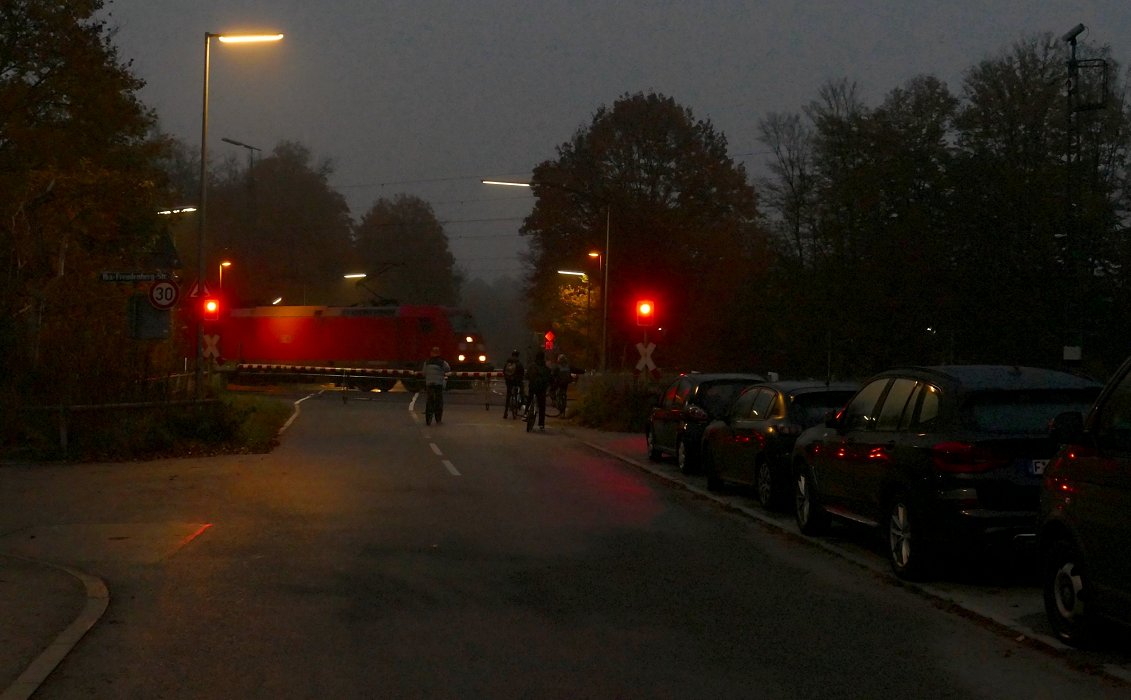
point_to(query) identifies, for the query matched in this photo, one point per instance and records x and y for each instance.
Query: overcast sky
(427, 97)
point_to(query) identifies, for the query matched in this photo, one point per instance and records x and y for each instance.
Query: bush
(235, 423)
(616, 402)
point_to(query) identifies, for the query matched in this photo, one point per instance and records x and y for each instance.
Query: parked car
(1085, 517)
(942, 460)
(685, 407)
(751, 443)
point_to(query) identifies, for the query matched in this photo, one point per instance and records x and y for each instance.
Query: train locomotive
(365, 347)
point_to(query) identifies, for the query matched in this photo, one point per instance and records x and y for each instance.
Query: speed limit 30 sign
(163, 294)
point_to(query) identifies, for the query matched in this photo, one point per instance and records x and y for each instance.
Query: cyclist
(435, 372)
(538, 377)
(563, 375)
(513, 372)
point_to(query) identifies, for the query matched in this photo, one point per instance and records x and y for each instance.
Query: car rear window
(808, 410)
(1026, 412)
(716, 398)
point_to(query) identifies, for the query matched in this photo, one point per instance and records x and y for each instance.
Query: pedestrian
(513, 372)
(435, 373)
(539, 380)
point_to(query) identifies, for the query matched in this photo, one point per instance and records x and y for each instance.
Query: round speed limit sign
(163, 294)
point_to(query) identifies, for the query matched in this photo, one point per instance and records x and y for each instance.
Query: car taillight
(963, 458)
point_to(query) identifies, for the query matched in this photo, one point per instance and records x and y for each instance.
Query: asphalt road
(371, 556)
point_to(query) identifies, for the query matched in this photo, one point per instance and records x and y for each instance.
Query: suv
(751, 443)
(937, 458)
(686, 406)
(1085, 517)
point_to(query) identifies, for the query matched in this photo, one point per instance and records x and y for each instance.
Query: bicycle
(556, 401)
(513, 402)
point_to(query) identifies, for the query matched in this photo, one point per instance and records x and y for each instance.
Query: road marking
(451, 468)
(436, 449)
(295, 414)
(412, 404)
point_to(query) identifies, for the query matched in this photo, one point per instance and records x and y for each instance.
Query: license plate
(1037, 466)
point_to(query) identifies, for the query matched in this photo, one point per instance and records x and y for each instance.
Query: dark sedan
(686, 406)
(751, 443)
(937, 458)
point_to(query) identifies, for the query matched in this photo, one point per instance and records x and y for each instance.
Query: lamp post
(202, 204)
(604, 258)
(588, 316)
(220, 281)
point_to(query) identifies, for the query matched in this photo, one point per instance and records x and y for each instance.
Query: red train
(370, 346)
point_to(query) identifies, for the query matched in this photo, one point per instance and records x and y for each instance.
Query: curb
(97, 600)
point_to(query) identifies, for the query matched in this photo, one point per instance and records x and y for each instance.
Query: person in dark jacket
(538, 377)
(435, 372)
(513, 375)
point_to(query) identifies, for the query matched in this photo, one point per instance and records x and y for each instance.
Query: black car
(942, 459)
(1085, 518)
(751, 443)
(686, 406)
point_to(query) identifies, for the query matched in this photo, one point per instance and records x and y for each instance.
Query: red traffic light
(549, 338)
(645, 312)
(210, 309)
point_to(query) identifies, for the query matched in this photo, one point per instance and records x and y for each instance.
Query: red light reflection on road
(199, 531)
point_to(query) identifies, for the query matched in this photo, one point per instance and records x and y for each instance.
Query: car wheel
(907, 553)
(683, 457)
(812, 519)
(1066, 589)
(653, 451)
(764, 484)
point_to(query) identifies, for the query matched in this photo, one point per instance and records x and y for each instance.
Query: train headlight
(462, 357)
(482, 358)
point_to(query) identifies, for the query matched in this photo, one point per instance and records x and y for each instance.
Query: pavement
(46, 608)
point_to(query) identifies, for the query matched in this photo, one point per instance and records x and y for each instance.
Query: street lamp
(604, 258)
(588, 313)
(202, 204)
(220, 282)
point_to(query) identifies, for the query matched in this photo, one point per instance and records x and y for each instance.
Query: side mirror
(1067, 427)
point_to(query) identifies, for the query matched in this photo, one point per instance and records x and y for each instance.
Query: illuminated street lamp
(202, 204)
(588, 313)
(220, 282)
(604, 257)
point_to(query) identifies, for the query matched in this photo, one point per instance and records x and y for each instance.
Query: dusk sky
(427, 97)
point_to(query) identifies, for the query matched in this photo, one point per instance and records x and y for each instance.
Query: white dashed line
(436, 449)
(451, 468)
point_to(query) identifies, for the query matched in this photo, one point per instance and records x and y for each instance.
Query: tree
(77, 195)
(402, 240)
(681, 220)
(290, 236)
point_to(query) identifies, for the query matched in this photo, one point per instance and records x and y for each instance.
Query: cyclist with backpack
(513, 372)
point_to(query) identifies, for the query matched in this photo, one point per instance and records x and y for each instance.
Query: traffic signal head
(645, 312)
(210, 309)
